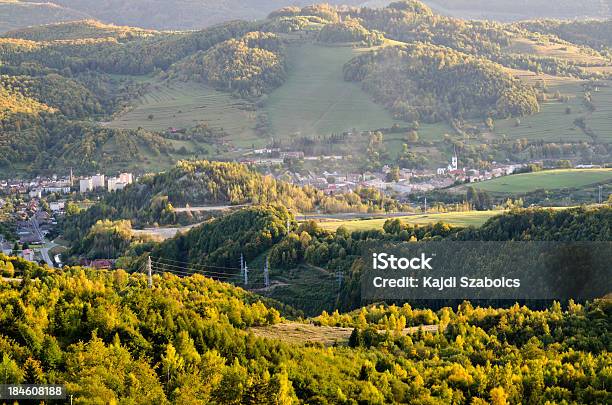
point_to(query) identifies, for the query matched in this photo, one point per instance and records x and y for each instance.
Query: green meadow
(184, 105)
(461, 219)
(315, 99)
(549, 180)
(555, 121)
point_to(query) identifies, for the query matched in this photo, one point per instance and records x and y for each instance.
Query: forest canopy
(421, 82)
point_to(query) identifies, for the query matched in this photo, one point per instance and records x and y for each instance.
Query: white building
(98, 181)
(86, 185)
(114, 184)
(57, 206)
(57, 189)
(37, 193)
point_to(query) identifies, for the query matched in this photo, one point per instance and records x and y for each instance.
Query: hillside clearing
(556, 121)
(315, 99)
(186, 104)
(564, 51)
(302, 333)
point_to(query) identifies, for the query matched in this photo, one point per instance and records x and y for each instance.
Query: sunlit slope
(460, 219)
(185, 105)
(315, 99)
(549, 179)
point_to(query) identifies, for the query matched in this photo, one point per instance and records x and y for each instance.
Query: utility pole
(267, 273)
(150, 277)
(426, 205)
(600, 189)
(241, 265)
(246, 274)
(340, 277)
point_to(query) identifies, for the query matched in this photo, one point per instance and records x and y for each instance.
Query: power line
(194, 264)
(187, 273)
(166, 270)
(191, 268)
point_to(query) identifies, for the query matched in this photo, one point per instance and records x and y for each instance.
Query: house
(102, 264)
(292, 155)
(57, 206)
(36, 193)
(115, 184)
(28, 254)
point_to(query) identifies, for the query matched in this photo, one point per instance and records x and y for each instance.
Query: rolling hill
(513, 10)
(82, 29)
(162, 15)
(356, 82)
(18, 14)
(197, 14)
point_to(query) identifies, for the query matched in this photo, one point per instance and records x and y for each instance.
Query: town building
(57, 206)
(98, 181)
(120, 182)
(86, 185)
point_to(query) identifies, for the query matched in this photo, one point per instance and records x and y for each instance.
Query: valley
(196, 196)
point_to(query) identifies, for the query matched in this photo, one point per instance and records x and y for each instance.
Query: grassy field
(302, 333)
(566, 52)
(549, 179)
(472, 218)
(315, 99)
(599, 120)
(184, 105)
(555, 123)
(552, 123)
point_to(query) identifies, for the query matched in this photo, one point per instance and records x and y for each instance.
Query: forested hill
(578, 224)
(79, 30)
(109, 338)
(513, 10)
(260, 230)
(429, 84)
(164, 15)
(419, 65)
(153, 198)
(197, 14)
(596, 34)
(248, 232)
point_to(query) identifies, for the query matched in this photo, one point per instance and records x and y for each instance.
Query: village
(38, 204)
(34, 207)
(393, 181)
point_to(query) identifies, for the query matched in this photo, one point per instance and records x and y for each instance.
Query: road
(354, 215)
(44, 251)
